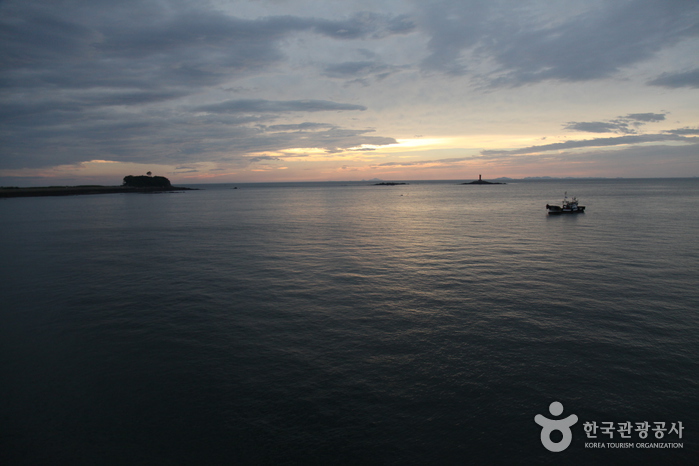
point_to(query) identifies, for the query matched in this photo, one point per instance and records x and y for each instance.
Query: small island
(132, 184)
(146, 181)
(388, 184)
(480, 180)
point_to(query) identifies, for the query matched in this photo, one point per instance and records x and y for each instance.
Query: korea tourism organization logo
(606, 430)
(561, 425)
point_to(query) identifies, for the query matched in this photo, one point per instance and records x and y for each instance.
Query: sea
(352, 324)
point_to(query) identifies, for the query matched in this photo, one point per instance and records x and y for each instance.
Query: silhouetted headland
(132, 184)
(388, 184)
(480, 180)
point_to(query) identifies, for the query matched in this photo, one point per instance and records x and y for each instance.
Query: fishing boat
(566, 207)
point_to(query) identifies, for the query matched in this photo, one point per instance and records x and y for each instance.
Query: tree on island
(146, 181)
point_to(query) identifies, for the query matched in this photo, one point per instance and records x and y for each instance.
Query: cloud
(646, 117)
(438, 162)
(677, 80)
(62, 137)
(635, 161)
(564, 42)
(362, 24)
(597, 142)
(684, 131)
(151, 46)
(360, 71)
(263, 158)
(596, 127)
(119, 80)
(270, 106)
(624, 124)
(306, 126)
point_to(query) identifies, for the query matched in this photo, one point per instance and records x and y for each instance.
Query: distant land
(132, 184)
(526, 178)
(560, 178)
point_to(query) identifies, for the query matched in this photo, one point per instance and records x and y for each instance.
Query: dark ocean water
(344, 323)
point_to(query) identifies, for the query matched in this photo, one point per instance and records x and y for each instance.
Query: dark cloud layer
(684, 131)
(594, 126)
(646, 117)
(85, 80)
(628, 124)
(598, 142)
(150, 47)
(677, 80)
(589, 45)
(266, 106)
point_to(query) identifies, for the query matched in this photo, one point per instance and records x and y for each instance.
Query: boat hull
(555, 210)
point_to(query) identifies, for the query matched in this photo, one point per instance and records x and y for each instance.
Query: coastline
(7, 192)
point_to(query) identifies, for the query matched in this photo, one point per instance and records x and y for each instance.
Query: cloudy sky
(305, 90)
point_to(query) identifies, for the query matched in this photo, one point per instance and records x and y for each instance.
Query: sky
(304, 90)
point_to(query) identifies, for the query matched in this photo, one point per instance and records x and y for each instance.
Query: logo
(562, 425)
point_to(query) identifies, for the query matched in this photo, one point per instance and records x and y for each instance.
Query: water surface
(345, 323)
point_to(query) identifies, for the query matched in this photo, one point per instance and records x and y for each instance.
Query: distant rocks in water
(480, 180)
(388, 184)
